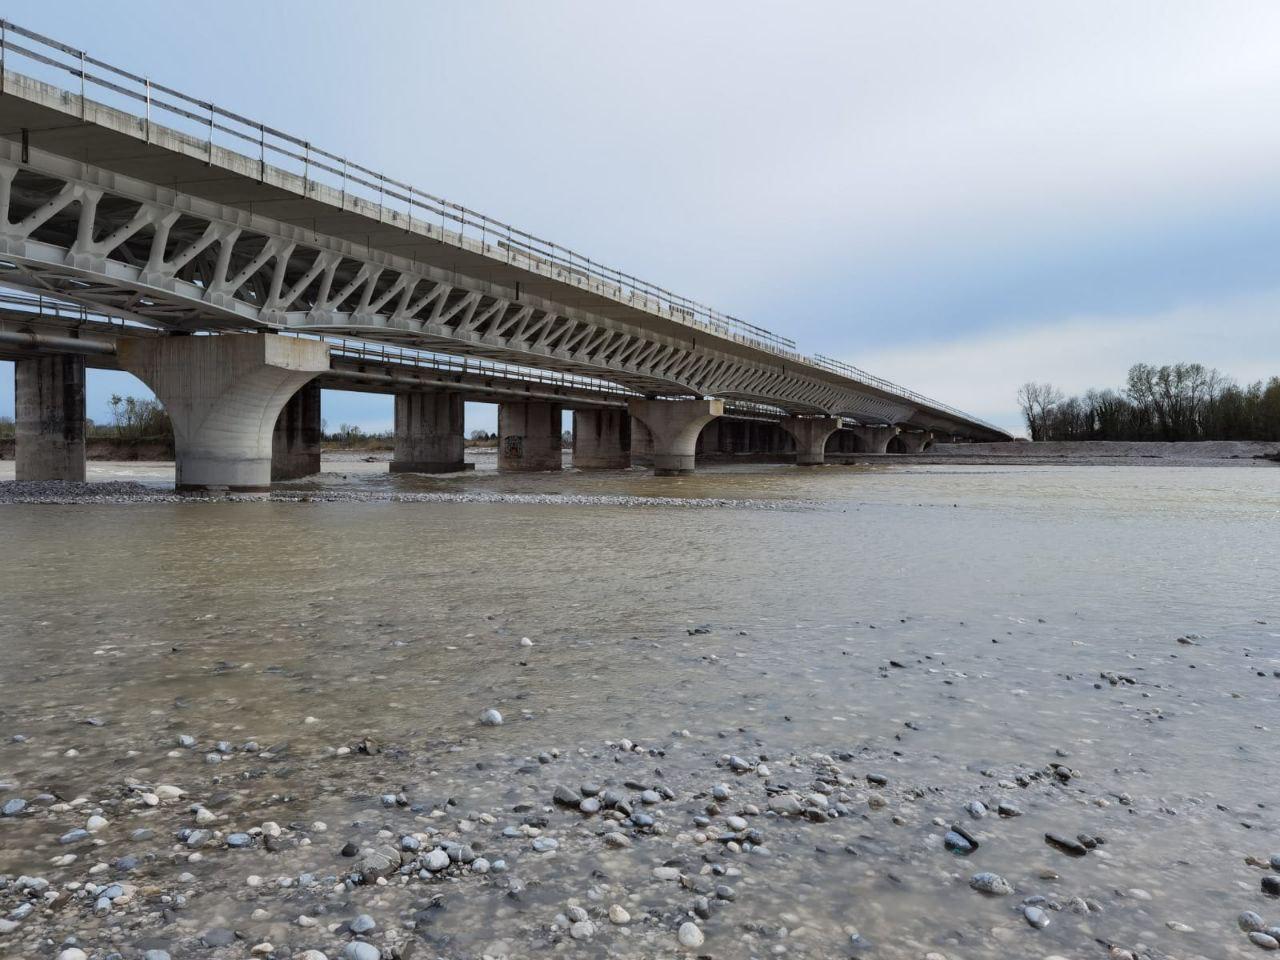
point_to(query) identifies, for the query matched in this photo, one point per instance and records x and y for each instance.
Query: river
(1096, 648)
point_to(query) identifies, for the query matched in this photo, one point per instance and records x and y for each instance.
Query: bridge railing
(857, 373)
(203, 121)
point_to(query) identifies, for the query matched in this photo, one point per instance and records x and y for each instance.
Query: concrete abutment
(50, 418)
(224, 395)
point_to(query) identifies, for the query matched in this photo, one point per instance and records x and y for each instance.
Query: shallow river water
(1097, 648)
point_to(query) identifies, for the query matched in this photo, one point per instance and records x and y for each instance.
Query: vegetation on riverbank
(1178, 402)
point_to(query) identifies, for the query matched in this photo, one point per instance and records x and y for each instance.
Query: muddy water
(948, 629)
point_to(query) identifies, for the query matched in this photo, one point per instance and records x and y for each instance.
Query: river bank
(1093, 452)
(237, 726)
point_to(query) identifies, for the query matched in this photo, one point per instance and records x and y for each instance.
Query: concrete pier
(732, 439)
(601, 439)
(874, 439)
(224, 395)
(641, 443)
(50, 421)
(429, 432)
(674, 426)
(296, 441)
(914, 442)
(529, 437)
(810, 435)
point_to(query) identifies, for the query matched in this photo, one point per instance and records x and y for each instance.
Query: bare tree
(1038, 401)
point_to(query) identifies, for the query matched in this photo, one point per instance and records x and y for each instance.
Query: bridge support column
(223, 395)
(296, 441)
(529, 437)
(429, 426)
(641, 443)
(875, 439)
(601, 439)
(674, 426)
(50, 421)
(915, 442)
(810, 435)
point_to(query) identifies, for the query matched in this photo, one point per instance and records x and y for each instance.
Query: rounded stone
(690, 935)
(491, 718)
(359, 950)
(618, 915)
(362, 924)
(991, 883)
(73, 953)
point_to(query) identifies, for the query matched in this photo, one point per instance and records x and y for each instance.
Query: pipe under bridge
(211, 223)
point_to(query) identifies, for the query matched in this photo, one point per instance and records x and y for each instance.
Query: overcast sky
(959, 197)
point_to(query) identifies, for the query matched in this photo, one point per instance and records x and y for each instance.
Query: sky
(958, 197)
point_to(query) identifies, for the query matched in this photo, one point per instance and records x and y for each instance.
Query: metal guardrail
(871, 380)
(204, 120)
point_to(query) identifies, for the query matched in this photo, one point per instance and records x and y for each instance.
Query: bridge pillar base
(601, 439)
(50, 421)
(810, 435)
(429, 426)
(915, 442)
(296, 440)
(530, 438)
(674, 426)
(224, 395)
(875, 439)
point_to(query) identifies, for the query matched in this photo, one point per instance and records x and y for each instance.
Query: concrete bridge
(210, 223)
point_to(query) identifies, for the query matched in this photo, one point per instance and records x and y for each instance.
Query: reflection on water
(932, 622)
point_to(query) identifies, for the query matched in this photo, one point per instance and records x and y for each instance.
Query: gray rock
(991, 883)
(1264, 940)
(362, 924)
(218, 937)
(74, 836)
(650, 796)
(1036, 917)
(1250, 921)
(589, 805)
(436, 860)
(690, 935)
(976, 809)
(545, 844)
(565, 796)
(785, 804)
(359, 950)
(156, 955)
(491, 718)
(378, 861)
(13, 807)
(239, 840)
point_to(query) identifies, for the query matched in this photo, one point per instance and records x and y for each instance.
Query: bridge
(236, 269)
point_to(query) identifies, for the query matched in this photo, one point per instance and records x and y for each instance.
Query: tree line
(1182, 401)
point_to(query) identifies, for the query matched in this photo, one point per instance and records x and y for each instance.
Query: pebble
(491, 718)
(1036, 917)
(690, 935)
(436, 860)
(618, 915)
(359, 950)
(1271, 886)
(1264, 940)
(73, 953)
(362, 924)
(1250, 921)
(582, 930)
(991, 883)
(13, 807)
